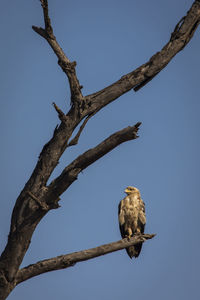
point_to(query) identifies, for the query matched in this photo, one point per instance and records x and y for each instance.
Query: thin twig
(43, 205)
(61, 114)
(74, 141)
(47, 20)
(67, 66)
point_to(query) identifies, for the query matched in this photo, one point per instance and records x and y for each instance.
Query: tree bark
(36, 199)
(69, 260)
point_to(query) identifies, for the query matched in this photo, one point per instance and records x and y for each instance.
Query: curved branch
(75, 140)
(70, 173)
(69, 260)
(138, 78)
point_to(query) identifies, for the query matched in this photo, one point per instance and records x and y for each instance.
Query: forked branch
(69, 260)
(70, 173)
(47, 21)
(67, 66)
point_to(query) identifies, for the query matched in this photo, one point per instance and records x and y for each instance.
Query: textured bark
(70, 173)
(36, 199)
(69, 260)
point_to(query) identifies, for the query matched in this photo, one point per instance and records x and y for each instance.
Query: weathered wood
(69, 260)
(36, 198)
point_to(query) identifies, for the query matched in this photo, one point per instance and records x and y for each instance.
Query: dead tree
(37, 198)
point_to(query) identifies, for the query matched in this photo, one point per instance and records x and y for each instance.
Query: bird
(132, 219)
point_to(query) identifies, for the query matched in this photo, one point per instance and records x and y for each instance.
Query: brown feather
(132, 218)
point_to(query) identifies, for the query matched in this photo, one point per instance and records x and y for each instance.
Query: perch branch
(67, 66)
(69, 260)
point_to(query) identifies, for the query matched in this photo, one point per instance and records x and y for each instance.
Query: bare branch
(138, 78)
(67, 66)
(26, 215)
(70, 173)
(47, 20)
(74, 141)
(61, 114)
(69, 260)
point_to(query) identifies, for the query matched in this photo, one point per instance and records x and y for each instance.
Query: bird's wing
(121, 219)
(142, 216)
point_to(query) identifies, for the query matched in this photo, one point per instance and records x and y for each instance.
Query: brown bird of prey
(132, 218)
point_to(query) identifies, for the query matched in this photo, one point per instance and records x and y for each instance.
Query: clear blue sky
(108, 39)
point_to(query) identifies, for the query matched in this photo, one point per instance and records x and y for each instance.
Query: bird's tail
(134, 250)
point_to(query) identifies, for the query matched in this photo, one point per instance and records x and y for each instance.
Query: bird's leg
(137, 232)
(130, 234)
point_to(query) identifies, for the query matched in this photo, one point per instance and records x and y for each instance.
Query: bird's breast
(131, 202)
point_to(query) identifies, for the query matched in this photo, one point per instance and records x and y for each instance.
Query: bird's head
(131, 190)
